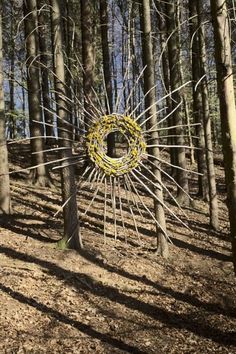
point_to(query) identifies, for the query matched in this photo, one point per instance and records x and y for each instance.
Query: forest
(117, 176)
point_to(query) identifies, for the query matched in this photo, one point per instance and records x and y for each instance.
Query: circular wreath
(97, 149)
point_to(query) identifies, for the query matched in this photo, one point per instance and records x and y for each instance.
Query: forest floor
(117, 297)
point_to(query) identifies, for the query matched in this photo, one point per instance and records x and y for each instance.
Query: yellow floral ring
(97, 149)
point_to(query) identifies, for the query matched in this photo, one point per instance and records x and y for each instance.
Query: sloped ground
(116, 297)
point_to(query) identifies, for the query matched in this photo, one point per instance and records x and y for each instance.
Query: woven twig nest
(97, 149)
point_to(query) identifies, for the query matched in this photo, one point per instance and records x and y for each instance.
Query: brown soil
(117, 297)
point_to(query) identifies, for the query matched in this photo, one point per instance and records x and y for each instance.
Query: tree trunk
(71, 237)
(39, 175)
(48, 115)
(149, 83)
(5, 201)
(227, 107)
(113, 56)
(87, 59)
(69, 46)
(23, 104)
(166, 73)
(197, 100)
(107, 71)
(13, 130)
(183, 94)
(213, 201)
(175, 82)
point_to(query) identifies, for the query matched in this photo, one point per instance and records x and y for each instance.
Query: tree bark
(183, 94)
(87, 59)
(48, 115)
(69, 43)
(175, 82)
(213, 200)
(149, 83)
(161, 22)
(227, 107)
(107, 71)
(71, 237)
(113, 56)
(5, 200)
(13, 130)
(39, 175)
(197, 100)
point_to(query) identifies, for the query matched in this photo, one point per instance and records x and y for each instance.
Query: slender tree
(175, 82)
(5, 202)
(70, 211)
(213, 200)
(182, 73)
(39, 175)
(113, 55)
(107, 69)
(149, 83)
(227, 107)
(161, 22)
(106, 53)
(13, 130)
(197, 99)
(68, 39)
(87, 57)
(47, 112)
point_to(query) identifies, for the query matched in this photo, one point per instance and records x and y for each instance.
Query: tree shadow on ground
(33, 230)
(11, 223)
(202, 251)
(190, 299)
(170, 319)
(43, 196)
(199, 226)
(35, 206)
(114, 342)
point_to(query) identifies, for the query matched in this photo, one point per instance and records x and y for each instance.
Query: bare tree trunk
(23, 103)
(87, 58)
(40, 175)
(175, 82)
(106, 53)
(149, 83)
(13, 130)
(76, 109)
(227, 107)
(5, 201)
(70, 211)
(69, 45)
(166, 73)
(183, 94)
(133, 55)
(124, 54)
(48, 115)
(213, 201)
(107, 70)
(197, 100)
(113, 57)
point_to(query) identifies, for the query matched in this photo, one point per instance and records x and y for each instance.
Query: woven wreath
(97, 147)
